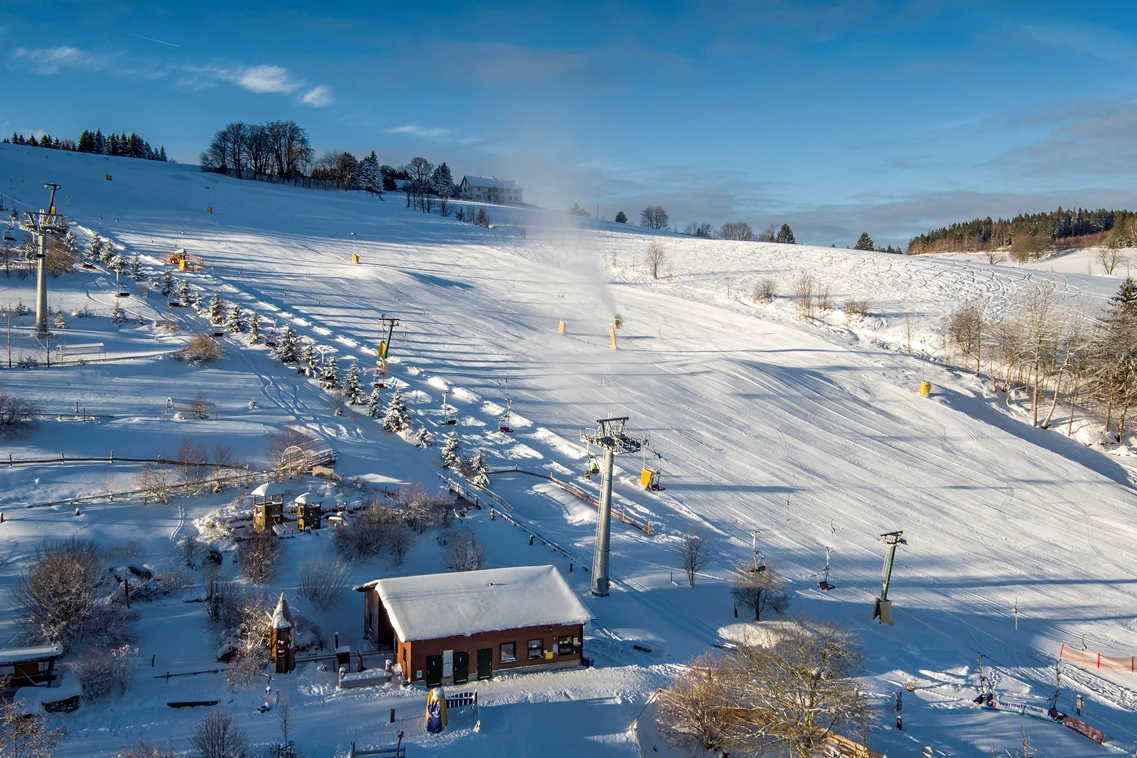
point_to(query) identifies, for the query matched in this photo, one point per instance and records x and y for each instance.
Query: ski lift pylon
(823, 575)
(504, 420)
(759, 561)
(448, 412)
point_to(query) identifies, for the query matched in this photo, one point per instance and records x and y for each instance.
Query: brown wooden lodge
(451, 628)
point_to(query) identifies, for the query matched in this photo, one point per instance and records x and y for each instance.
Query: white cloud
(417, 131)
(264, 79)
(319, 96)
(49, 60)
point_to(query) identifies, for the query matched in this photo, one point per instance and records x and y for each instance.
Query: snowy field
(800, 431)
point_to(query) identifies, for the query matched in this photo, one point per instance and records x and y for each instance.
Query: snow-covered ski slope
(751, 408)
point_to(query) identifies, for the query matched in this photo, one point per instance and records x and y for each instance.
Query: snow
(491, 181)
(269, 489)
(765, 421)
(463, 603)
(281, 618)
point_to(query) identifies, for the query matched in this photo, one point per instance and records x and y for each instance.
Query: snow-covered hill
(765, 423)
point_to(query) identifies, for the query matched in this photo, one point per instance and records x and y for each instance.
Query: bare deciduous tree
(104, 672)
(656, 257)
(200, 407)
(654, 217)
(759, 591)
(322, 582)
(400, 538)
(218, 735)
(769, 234)
(287, 724)
(789, 691)
(994, 255)
(259, 556)
(823, 297)
(1110, 258)
(965, 329)
(26, 735)
(697, 709)
(17, 415)
(156, 483)
(55, 596)
(736, 230)
(803, 294)
(463, 551)
(193, 455)
(694, 552)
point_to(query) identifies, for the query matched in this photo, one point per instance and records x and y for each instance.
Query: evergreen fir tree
(373, 403)
(353, 388)
(331, 373)
(451, 452)
(481, 219)
(442, 181)
(117, 264)
(460, 215)
(271, 335)
(216, 310)
(95, 249)
(235, 321)
(60, 323)
(397, 417)
(621, 218)
(308, 361)
(254, 330)
(423, 437)
(1126, 297)
(118, 315)
(479, 469)
(167, 283)
(68, 242)
(368, 174)
(865, 242)
(287, 347)
(786, 235)
(108, 251)
(182, 292)
(136, 269)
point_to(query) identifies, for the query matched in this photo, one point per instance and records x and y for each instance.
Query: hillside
(799, 432)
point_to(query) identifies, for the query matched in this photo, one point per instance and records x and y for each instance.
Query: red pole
(1099, 660)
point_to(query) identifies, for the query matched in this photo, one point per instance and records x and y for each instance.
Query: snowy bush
(26, 735)
(104, 672)
(463, 551)
(856, 310)
(765, 290)
(191, 551)
(156, 483)
(364, 536)
(202, 349)
(259, 556)
(322, 582)
(140, 748)
(17, 415)
(421, 508)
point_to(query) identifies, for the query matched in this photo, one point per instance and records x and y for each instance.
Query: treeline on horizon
(1032, 232)
(131, 146)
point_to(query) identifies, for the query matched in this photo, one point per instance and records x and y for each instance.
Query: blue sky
(838, 117)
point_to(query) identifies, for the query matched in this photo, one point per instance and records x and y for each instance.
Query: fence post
(1099, 660)
(351, 750)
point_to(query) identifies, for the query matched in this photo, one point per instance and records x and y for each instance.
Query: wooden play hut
(268, 506)
(280, 639)
(29, 666)
(308, 511)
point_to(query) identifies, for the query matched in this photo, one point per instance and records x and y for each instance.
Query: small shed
(23, 666)
(280, 638)
(268, 506)
(308, 511)
(525, 618)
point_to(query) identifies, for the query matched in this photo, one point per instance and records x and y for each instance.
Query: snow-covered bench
(369, 678)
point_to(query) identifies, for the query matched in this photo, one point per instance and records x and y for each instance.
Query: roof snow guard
(463, 603)
(492, 181)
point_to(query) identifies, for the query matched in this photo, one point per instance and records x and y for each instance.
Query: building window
(565, 646)
(508, 652)
(536, 649)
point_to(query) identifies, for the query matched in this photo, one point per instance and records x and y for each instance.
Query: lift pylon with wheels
(384, 349)
(449, 416)
(823, 575)
(758, 563)
(504, 421)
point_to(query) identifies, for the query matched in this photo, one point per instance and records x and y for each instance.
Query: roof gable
(462, 603)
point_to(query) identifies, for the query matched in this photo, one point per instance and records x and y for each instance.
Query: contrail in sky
(150, 39)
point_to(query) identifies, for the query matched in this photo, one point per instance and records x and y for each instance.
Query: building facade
(453, 628)
(490, 189)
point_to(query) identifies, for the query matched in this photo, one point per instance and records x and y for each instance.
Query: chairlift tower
(883, 608)
(611, 436)
(41, 224)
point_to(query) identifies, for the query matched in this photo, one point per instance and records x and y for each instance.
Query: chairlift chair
(650, 476)
(591, 468)
(759, 563)
(9, 235)
(503, 423)
(823, 575)
(448, 412)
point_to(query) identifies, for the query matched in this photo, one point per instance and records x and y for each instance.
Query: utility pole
(40, 225)
(610, 434)
(883, 607)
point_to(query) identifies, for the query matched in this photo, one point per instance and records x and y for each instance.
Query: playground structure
(305, 455)
(186, 262)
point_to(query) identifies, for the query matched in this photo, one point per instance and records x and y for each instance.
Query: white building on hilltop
(490, 189)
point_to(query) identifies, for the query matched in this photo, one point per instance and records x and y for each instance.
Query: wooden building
(451, 628)
(24, 666)
(308, 512)
(280, 638)
(268, 506)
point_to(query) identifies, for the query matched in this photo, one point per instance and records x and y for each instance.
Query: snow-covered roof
(268, 489)
(281, 617)
(462, 603)
(305, 498)
(11, 655)
(491, 181)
